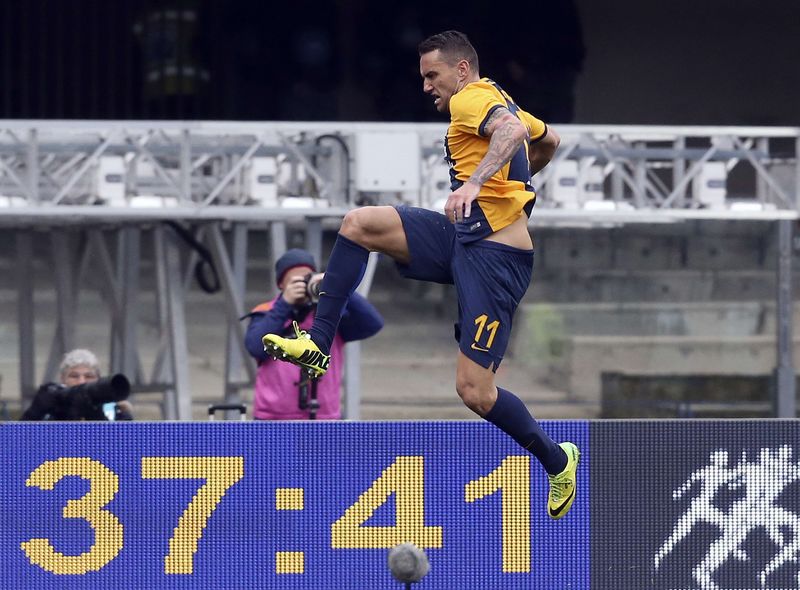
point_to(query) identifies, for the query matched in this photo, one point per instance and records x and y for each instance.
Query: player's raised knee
(476, 398)
(367, 225)
(356, 225)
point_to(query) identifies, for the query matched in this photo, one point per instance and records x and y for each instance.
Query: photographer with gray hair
(81, 393)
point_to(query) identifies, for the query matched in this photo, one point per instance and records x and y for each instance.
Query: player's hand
(459, 203)
(295, 292)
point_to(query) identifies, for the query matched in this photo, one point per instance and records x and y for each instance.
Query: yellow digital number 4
(103, 486)
(404, 478)
(512, 478)
(220, 474)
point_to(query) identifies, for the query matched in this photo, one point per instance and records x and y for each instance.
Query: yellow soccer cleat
(299, 350)
(563, 486)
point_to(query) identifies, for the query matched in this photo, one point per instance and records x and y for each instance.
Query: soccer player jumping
(481, 244)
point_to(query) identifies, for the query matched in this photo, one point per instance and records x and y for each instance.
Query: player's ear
(463, 69)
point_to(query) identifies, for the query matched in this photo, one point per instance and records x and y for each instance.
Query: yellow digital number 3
(404, 478)
(103, 486)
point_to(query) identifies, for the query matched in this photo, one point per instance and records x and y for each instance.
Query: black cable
(208, 281)
(346, 150)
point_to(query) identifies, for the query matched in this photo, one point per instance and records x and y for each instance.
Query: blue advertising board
(288, 505)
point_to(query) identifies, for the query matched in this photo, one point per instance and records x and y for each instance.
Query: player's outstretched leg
(299, 350)
(345, 270)
(559, 460)
(312, 351)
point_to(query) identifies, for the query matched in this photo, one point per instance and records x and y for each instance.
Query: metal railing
(203, 164)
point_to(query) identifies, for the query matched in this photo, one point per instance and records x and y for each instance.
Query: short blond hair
(79, 357)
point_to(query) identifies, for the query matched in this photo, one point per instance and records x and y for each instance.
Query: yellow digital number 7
(220, 474)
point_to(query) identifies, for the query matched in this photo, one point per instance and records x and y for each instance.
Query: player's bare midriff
(515, 235)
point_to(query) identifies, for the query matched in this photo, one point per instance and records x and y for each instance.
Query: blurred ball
(408, 563)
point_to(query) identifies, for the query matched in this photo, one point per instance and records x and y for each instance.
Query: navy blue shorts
(490, 280)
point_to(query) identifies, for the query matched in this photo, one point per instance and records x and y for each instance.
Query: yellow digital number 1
(513, 479)
(103, 486)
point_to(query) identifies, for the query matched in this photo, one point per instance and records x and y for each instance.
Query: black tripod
(308, 393)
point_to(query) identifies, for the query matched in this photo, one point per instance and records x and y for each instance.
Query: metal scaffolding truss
(109, 249)
(682, 167)
(204, 164)
(102, 189)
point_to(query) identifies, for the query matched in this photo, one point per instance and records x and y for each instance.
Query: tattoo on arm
(503, 144)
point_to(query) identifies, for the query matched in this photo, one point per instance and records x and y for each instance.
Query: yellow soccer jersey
(505, 195)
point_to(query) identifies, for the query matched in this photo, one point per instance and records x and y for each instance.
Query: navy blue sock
(345, 269)
(511, 416)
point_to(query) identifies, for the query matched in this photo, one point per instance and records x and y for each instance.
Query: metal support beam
(87, 163)
(128, 263)
(178, 401)
(186, 166)
(159, 374)
(796, 201)
(277, 236)
(162, 368)
(762, 188)
(65, 270)
(110, 289)
(352, 353)
(680, 188)
(640, 177)
(679, 169)
(33, 166)
(314, 238)
(25, 315)
(235, 359)
(234, 299)
(785, 385)
(217, 190)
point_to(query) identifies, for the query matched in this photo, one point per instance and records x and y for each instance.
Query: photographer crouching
(81, 393)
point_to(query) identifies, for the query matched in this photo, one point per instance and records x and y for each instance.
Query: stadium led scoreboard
(295, 505)
(320, 505)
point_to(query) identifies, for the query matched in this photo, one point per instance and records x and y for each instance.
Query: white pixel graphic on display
(763, 480)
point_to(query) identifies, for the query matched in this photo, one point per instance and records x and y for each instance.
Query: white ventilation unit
(109, 180)
(261, 181)
(153, 202)
(7, 201)
(709, 186)
(562, 187)
(387, 162)
(592, 180)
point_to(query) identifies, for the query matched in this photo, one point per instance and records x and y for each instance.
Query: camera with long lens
(103, 391)
(80, 402)
(312, 289)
